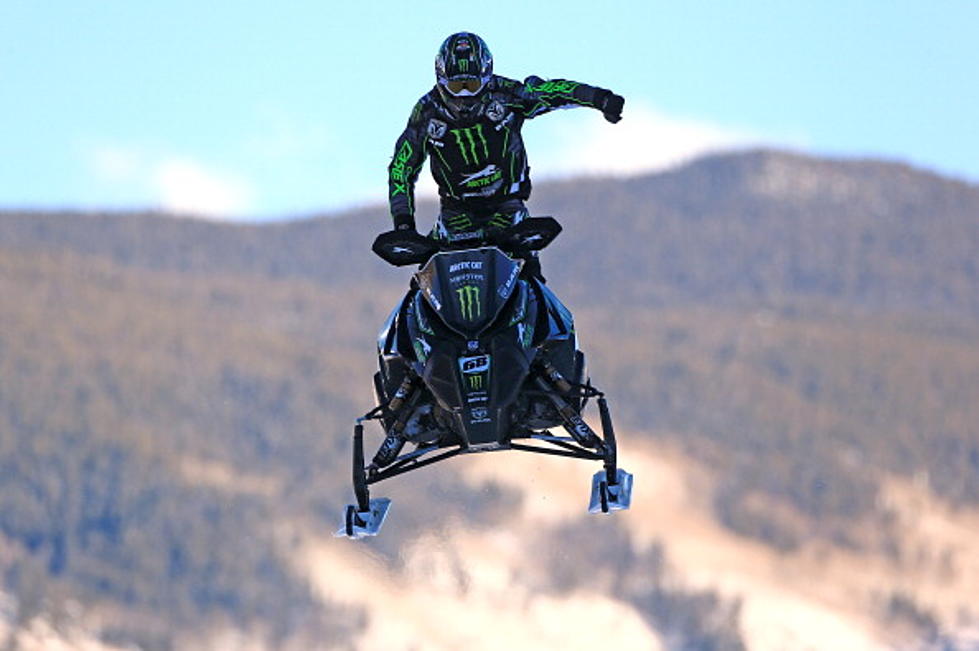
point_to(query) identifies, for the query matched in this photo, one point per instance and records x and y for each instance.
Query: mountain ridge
(746, 226)
(805, 329)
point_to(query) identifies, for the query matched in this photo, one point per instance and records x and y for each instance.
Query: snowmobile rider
(469, 126)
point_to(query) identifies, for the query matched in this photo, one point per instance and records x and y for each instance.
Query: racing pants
(459, 223)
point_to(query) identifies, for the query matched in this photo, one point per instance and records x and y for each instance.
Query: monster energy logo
(475, 381)
(469, 303)
(470, 142)
(501, 220)
(458, 222)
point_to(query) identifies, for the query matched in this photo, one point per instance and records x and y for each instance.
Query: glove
(404, 222)
(611, 106)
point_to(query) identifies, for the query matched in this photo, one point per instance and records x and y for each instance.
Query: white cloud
(184, 185)
(178, 184)
(646, 140)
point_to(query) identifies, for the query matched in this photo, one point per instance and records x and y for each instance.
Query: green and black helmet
(463, 67)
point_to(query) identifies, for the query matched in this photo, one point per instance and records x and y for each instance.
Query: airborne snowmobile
(477, 358)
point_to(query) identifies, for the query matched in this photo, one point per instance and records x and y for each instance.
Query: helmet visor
(463, 87)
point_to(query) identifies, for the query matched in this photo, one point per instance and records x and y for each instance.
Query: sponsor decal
(580, 427)
(486, 191)
(400, 170)
(479, 415)
(507, 287)
(436, 129)
(470, 304)
(520, 311)
(471, 143)
(466, 278)
(475, 378)
(495, 111)
(487, 176)
(504, 122)
(423, 322)
(477, 364)
(433, 299)
(525, 334)
(422, 349)
(468, 235)
(554, 87)
(467, 264)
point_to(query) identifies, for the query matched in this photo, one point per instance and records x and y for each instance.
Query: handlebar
(402, 248)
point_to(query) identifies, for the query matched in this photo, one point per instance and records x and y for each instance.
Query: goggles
(464, 87)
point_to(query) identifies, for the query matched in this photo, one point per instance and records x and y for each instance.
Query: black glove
(404, 222)
(611, 106)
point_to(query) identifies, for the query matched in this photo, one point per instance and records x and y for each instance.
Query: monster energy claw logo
(469, 303)
(471, 141)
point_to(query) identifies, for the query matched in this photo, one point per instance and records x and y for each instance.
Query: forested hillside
(176, 395)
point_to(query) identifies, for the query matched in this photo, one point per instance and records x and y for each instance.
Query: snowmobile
(478, 358)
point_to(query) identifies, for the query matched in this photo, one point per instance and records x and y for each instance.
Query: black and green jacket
(480, 161)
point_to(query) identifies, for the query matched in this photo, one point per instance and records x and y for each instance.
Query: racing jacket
(478, 161)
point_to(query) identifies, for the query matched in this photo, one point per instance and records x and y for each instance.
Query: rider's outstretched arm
(539, 96)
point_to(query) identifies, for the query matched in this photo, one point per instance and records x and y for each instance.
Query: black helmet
(463, 67)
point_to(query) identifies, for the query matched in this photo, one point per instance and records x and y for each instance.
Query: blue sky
(266, 110)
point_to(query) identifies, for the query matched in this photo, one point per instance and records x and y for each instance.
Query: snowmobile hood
(468, 288)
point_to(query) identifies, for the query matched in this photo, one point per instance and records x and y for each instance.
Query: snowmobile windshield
(468, 288)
